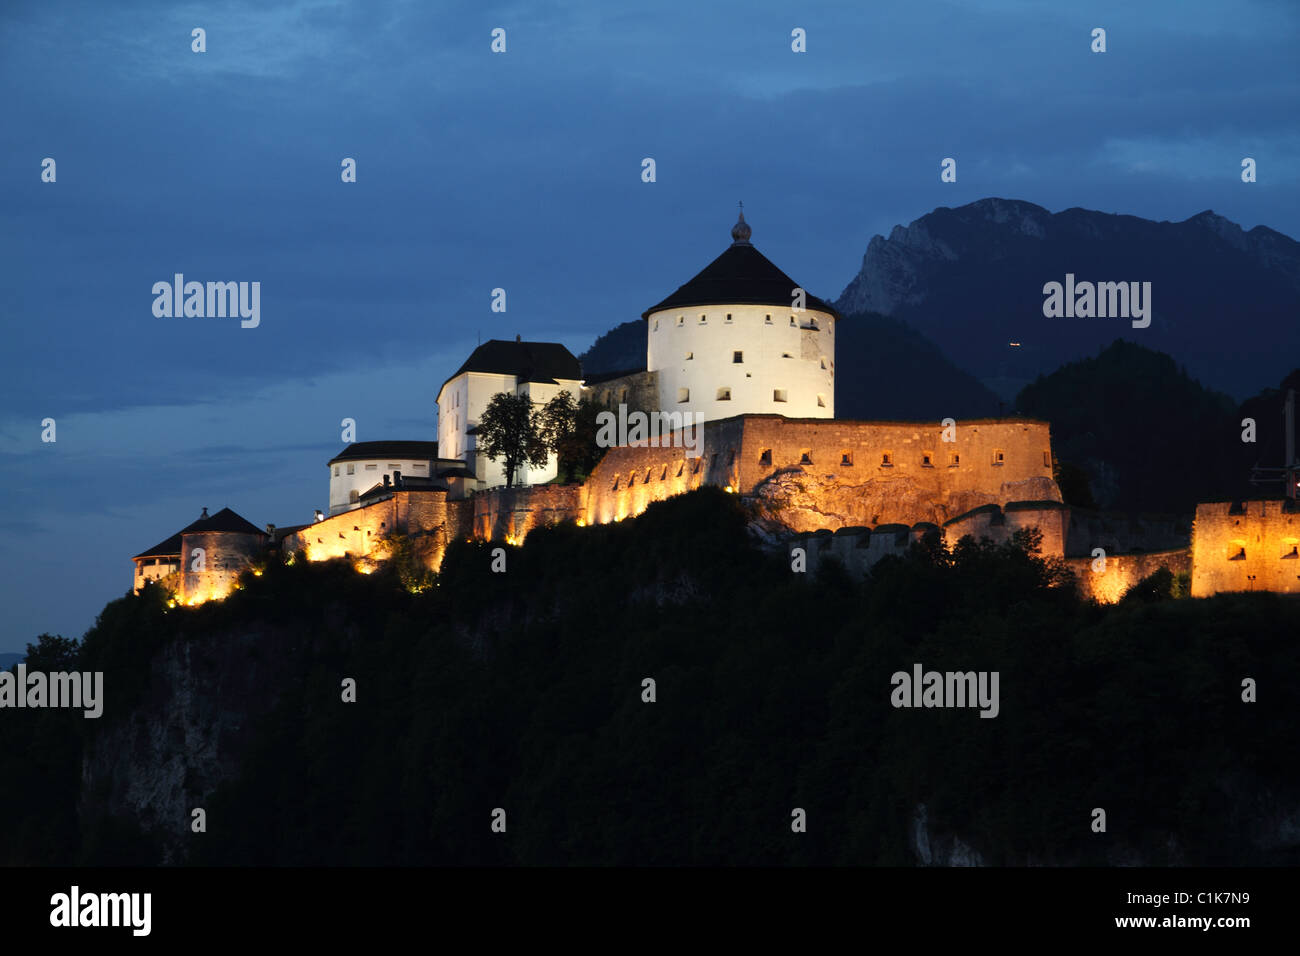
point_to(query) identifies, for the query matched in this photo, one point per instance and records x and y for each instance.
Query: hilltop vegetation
(1135, 433)
(524, 690)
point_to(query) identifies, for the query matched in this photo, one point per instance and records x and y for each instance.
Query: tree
(569, 429)
(510, 430)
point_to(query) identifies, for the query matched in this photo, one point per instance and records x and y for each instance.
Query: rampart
(813, 473)
(1246, 546)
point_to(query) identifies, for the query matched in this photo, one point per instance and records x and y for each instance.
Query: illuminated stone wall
(998, 524)
(508, 514)
(155, 569)
(806, 474)
(359, 534)
(226, 555)
(1246, 546)
(1122, 571)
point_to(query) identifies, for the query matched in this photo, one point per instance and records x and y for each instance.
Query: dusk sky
(519, 170)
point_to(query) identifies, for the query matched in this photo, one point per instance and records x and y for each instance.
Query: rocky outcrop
(156, 763)
(971, 280)
(800, 499)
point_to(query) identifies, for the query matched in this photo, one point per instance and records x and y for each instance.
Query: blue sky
(519, 170)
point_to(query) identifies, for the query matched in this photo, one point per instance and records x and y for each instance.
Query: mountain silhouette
(1225, 301)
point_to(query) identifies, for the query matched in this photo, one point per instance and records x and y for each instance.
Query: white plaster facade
(786, 360)
(460, 405)
(351, 479)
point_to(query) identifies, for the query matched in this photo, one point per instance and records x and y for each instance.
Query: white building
(363, 464)
(539, 370)
(733, 341)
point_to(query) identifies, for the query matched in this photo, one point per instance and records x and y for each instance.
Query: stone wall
(1119, 533)
(860, 548)
(358, 534)
(1246, 546)
(508, 514)
(226, 555)
(805, 474)
(857, 549)
(999, 524)
(639, 391)
(812, 473)
(1122, 571)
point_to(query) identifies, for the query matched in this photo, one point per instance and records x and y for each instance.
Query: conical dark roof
(740, 276)
(224, 520)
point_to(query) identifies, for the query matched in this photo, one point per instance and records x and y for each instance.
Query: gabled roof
(368, 450)
(740, 276)
(224, 521)
(544, 362)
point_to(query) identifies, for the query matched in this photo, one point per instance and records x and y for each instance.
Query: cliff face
(155, 764)
(803, 500)
(971, 279)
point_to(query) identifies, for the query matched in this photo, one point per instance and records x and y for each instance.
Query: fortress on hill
(744, 350)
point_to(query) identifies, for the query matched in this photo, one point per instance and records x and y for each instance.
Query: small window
(663, 475)
(695, 469)
(656, 325)
(681, 467)
(792, 321)
(999, 456)
(737, 358)
(724, 394)
(1047, 459)
(728, 316)
(352, 469)
(823, 363)
(631, 479)
(806, 457)
(683, 395)
(419, 466)
(927, 459)
(779, 395)
(681, 319)
(766, 457)
(372, 467)
(392, 465)
(616, 483)
(354, 496)
(887, 459)
(956, 460)
(767, 319)
(821, 401)
(336, 471)
(1239, 556)
(689, 356)
(846, 458)
(703, 319)
(786, 355)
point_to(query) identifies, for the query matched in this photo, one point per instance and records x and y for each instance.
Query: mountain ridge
(970, 278)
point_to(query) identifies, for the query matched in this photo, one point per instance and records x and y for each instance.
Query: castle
(744, 350)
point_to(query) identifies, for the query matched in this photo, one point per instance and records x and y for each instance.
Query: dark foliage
(523, 690)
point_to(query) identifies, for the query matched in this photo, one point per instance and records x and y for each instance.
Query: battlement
(1246, 546)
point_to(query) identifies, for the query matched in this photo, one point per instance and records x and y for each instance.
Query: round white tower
(743, 338)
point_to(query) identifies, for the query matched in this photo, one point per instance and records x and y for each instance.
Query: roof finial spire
(740, 232)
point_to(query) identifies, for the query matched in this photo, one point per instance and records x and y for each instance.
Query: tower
(742, 337)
